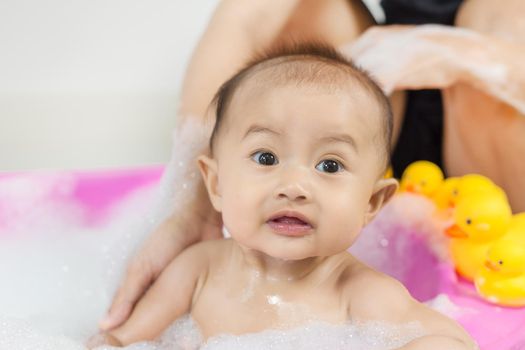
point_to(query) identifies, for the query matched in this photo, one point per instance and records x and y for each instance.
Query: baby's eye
(264, 158)
(329, 166)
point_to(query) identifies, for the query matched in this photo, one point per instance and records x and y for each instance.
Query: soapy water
(58, 279)
(184, 334)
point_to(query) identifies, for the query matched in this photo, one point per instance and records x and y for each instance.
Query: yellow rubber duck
(421, 177)
(502, 279)
(454, 188)
(475, 184)
(516, 229)
(445, 197)
(389, 173)
(478, 221)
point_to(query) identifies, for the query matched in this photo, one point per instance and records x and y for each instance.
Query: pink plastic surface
(94, 192)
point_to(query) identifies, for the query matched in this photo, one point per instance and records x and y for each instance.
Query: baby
(300, 144)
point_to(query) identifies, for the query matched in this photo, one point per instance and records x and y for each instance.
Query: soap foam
(319, 336)
(184, 334)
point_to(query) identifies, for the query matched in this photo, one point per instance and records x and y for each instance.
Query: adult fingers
(137, 280)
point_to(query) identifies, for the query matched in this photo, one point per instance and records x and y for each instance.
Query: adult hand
(438, 57)
(198, 222)
(102, 339)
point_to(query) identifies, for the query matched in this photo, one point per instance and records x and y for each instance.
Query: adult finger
(136, 281)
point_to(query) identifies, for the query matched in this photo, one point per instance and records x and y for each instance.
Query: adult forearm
(237, 29)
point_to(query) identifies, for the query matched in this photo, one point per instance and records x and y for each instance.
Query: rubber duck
(389, 173)
(446, 195)
(475, 184)
(422, 177)
(502, 278)
(478, 221)
(516, 229)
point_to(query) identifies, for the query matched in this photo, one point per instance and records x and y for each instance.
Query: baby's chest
(239, 309)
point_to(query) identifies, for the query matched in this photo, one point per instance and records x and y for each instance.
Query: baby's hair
(310, 63)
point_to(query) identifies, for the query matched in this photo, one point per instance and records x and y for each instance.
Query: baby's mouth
(289, 226)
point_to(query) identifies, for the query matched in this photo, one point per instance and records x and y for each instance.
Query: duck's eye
(500, 262)
(329, 166)
(423, 183)
(264, 158)
(469, 221)
(455, 192)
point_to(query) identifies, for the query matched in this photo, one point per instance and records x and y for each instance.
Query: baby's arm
(438, 342)
(168, 298)
(384, 298)
(442, 332)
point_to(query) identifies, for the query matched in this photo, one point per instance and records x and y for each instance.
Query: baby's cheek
(347, 220)
(237, 212)
(345, 236)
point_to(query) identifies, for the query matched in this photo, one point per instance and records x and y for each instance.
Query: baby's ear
(384, 189)
(208, 168)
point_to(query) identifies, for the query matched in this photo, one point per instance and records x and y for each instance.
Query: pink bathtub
(94, 193)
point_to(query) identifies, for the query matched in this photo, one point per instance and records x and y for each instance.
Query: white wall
(92, 83)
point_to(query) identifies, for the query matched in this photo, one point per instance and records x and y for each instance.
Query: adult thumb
(135, 284)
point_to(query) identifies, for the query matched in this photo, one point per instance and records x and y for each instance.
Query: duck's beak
(455, 231)
(491, 266)
(410, 188)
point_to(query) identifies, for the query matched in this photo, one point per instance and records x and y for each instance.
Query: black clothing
(421, 136)
(420, 11)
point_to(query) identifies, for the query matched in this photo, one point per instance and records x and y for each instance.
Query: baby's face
(296, 169)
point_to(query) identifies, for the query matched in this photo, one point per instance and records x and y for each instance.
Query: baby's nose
(294, 186)
(293, 192)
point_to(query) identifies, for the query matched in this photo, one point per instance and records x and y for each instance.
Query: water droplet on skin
(273, 299)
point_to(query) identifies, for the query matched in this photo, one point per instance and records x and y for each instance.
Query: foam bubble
(318, 336)
(184, 334)
(16, 334)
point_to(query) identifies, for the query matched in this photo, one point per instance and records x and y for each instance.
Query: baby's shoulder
(373, 295)
(197, 261)
(208, 251)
